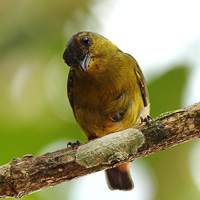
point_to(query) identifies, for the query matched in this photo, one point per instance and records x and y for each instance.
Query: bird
(107, 92)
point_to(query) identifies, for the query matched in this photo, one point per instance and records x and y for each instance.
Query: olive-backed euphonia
(107, 93)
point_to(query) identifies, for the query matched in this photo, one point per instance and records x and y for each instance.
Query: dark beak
(85, 62)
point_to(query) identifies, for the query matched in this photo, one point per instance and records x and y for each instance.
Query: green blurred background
(35, 116)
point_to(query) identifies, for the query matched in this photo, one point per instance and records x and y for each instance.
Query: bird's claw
(73, 144)
(147, 119)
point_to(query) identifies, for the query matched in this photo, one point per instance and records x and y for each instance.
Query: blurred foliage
(170, 166)
(33, 39)
(34, 110)
(166, 91)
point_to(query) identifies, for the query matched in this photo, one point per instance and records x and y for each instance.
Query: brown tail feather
(119, 178)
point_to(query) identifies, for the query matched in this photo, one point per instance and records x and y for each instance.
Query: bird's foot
(73, 144)
(147, 119)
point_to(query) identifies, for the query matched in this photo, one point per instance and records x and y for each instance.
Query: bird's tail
(119, 178)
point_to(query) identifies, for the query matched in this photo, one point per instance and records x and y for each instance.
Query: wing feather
(142, 84)
(70, 88)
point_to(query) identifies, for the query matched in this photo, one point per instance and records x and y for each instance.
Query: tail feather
(119, 178)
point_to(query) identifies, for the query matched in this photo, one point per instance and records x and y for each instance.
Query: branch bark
(29, 174)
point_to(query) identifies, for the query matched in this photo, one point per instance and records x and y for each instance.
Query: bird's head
(86, 46)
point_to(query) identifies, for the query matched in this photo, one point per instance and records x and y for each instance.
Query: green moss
(155, 132)
(197, 119)
(163, 115)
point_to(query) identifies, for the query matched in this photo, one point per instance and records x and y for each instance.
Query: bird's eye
(86, 41)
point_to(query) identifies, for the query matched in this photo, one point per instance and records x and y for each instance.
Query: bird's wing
(142, 85)
(70, 88)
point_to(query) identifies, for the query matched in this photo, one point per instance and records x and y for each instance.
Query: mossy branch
(29, 174)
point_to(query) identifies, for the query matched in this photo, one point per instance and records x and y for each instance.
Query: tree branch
(29, 174)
